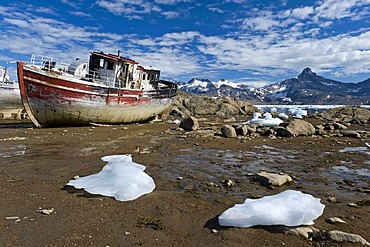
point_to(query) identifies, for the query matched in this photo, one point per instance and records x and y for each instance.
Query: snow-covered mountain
(220, 88)
(307, 88)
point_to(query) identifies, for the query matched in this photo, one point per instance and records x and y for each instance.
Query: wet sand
(36, 164)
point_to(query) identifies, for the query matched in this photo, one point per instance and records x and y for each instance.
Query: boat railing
(48, 63)
(60, 67)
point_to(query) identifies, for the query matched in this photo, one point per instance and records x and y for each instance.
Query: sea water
(311, 109)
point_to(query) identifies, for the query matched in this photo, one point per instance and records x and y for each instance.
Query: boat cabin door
(123, 76)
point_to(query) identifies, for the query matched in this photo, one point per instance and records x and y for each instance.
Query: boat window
(101, 63)
(109, 65)
(144, 76)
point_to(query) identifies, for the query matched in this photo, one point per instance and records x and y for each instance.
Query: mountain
(307, 88)
(221, 88)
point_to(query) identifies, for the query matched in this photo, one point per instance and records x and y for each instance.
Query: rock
(11, 218)
(334, 220)
(346, 114)
(228, 131)
(329, 126)
(190, 123)
(175, 111)
(298, 127)
(195, 105)
(339, 126)
(332, 199)
(201, 133)
(45, 211)
(340, 236)
(252, 128)
(308, 232)
(228, 183)
(351, 133)
(273, 179)
(241, 130)
(320, 132)
(268, 132)
(190, 187)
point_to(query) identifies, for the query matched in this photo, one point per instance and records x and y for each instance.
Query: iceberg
(120, 178)
(289, 208)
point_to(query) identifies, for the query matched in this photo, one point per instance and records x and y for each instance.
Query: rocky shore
(203, 161)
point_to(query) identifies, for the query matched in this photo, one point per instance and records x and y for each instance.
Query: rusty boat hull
(53, 99)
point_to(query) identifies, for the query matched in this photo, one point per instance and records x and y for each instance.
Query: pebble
(12, 218)
(45, 211)
(332, 199)
(334, 220)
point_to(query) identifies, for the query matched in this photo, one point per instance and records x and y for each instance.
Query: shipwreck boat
(109, 89)
(10, 100)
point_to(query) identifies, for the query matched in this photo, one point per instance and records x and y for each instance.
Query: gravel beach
(190, 174)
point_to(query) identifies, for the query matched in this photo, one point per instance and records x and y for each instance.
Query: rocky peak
(307, 74)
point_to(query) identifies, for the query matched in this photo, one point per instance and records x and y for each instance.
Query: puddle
(345, 172)
(214, 164)
(205, 165)
(12, 151)
(353, 149)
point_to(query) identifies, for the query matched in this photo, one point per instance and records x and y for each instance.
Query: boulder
(228, 131)
(339, 126)
(351, 133)
(241, 130)
(273, 179)
(190, 123)
(297, 127)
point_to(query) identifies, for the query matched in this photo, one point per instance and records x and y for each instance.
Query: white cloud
(303, 12)
(214, 9)
(170, 1)
(79, 13)
(333, 9)
(170, 14)
(128, 7)
(259, 23)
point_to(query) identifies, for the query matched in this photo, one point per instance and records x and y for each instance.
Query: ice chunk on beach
(283, 115)
(255, 119)
(290, 208)
(267, 121)
(298, 112)
(270, 121)
(121, 178)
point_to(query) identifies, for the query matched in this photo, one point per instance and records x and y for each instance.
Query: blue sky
(245, 41)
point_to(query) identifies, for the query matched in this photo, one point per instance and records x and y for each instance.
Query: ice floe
(120, 178)
(290, 208)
